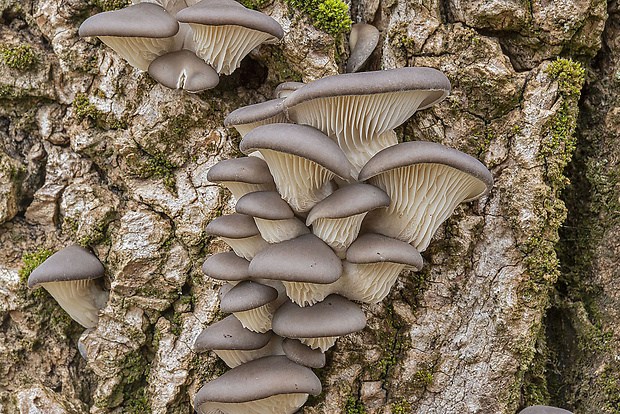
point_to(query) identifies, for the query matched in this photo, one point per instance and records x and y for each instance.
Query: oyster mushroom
(286, 88)
(242, 175)
(239, 232)
(252, 303)
(183, 70)
(544, 409)
(249, 117)
(303, 354)
(226, 266)
(363, 40)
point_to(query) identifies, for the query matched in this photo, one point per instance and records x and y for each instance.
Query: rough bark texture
(94, 151)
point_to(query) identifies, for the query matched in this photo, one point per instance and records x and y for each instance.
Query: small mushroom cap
(302, 259)
(71, 263)
(247, 295)
(255, 113)
(334, 316)
(267, 205)
(226, 266)
(544, 409)
(286, 88)
(363, 41)
(377, 82)
(348, 201)
(224, 290)
(301, 140)
(183, 70)
(229, 334)
(140, 20)
(251, 170)
(420, 152)
(229, 12)
(303, 354)
(233, 226)
(376, 248)
(259, 379)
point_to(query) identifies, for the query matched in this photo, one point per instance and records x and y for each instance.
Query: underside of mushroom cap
(376, 248)
(363, 40)
(229, 334)
(140, 20)
(348, 201)
(247, 295)
(226, 266)
(183, 70)
(249, 117)
(69, 264)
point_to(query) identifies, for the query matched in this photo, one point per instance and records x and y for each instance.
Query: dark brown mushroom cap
(286, 88)
(255, 113)
(544, 409)
(229, 334)
(267, 205)
(71, 263)
(301, 140)
(140, 20)
(303, 354)
(348, 201)
(363, 40)
(226, 266)
(247, 295)
(260, 378)
(183, 69)
(233, 226)
(334, 316)
(369, 83)
(302, 259)
(229, 12)
(420, 152)
(376, 248)
(250, 170)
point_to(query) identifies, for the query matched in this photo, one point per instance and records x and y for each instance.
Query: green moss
(20, 57)
(401, 407)
(83, 109)
(331, 16)
(423, 378)
(109, 5)
(609, 381)
(157, 166)
(253, 4)
(130, 394)
(32, 261)
(354, 407)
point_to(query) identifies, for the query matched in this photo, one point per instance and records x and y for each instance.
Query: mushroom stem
(81, 299)
(338, 233)
(257, 319)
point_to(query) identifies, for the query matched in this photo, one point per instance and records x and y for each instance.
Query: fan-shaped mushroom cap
(225, 31)
(425, 181)
(337, 219)
(358, 110)
(183, 70)
(68, 275)
(301, 159)
(303, 354)
(249, 117)
(138, 33)
(247, 295)
(544, 409)
(239, 232)
(333, 317)
(286, 88)
(226, 266)
(362, 41)
(242, 175)
(229, 334)
(275, 384)
(376, 248)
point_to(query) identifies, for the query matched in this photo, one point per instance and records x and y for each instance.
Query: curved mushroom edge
(140, 20)
(71, 263)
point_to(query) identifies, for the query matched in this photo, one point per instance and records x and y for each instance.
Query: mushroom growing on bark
(242, 175)
(239, 232)
(249, 117)
(183, 70)
(286, 88)
(362, 41)
(226, 266)
(303, 354)
(69, 276)
(544, 409)
(252, 303)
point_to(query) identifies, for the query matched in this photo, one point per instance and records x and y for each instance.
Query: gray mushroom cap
(267, 205)
(286, 88)
(255, 113)
(377, 82)
(224, 290)
(301, 140)
(544, 409)
(376, 248)
(247, 295)
(140, 20)
(303, 354)
(249, 170)
(233, 226)
(334, 316)
(363, 41)
(303, 259)
(229, 334)
(420, 152)
(183, 70)
(71, 263)
(259, 379)
(229, 12)
(226, 266)
(348, 201)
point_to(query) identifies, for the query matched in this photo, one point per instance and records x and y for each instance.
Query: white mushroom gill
(369, 282)
(234, 358)
(307, 294)
(323, 343)
(81, 299)
(359, 123)
(239, 189)
(338, 233)
(223, 47)
(301, 183)
(247, 247)
(245, 128)
(423, 196)
(276, 404)
(276, 231)
(139, 52)
(257, 319)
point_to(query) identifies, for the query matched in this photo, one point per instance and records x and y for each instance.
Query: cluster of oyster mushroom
(330, 209)
(184, 44)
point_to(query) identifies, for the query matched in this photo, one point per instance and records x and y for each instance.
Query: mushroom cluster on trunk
(183, 44)
(330, 210)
